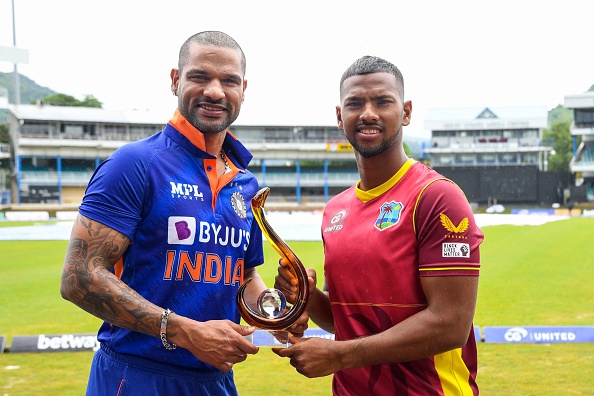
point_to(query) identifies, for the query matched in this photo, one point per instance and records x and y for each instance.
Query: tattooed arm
(88, 282)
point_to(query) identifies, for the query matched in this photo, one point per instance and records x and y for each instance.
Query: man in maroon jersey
(401, 260)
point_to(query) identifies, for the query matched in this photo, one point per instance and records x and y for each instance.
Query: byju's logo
(181, 230)
(515, 334)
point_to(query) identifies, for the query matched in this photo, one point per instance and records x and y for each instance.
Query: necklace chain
(224, 158)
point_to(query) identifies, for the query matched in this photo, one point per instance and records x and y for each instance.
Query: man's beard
(369, 152)
(208, 127)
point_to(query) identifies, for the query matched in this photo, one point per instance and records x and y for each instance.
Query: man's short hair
(373, 64)
(214, 38)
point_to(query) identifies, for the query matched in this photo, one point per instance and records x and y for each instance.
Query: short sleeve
(447, 235)
(114, 195)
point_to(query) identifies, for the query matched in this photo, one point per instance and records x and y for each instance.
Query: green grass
(24, 223)
(530, 276)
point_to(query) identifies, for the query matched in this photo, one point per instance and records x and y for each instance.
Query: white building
(54, 151)
(487, 137)
(582, 163)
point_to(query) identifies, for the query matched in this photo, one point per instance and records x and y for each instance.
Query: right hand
(286, 281)
(220, 343)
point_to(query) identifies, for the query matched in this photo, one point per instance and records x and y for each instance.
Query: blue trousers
(115, 374)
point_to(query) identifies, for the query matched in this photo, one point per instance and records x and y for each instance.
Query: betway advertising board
(538, 334)
(54, 343)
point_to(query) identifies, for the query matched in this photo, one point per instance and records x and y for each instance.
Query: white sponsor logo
(181, 230)
(223, 235)
(67, 341)
(184, 230)
(515, 334)
(455, 250)
(553, 336)
(185, 191)
(336, 221)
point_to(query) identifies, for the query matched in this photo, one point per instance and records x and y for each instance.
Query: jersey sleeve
(114, 195)
(447, 235)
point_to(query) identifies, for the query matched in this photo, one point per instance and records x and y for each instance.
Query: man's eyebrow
(203, 72)
(234, 76)
(385, 96)
(352, 97)
(195, 71)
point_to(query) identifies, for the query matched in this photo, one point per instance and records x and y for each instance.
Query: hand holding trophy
(273, 315)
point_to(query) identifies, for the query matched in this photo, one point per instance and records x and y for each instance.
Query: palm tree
(387, 208)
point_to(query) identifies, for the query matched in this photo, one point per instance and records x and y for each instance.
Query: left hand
(312, 357)
(299, 327)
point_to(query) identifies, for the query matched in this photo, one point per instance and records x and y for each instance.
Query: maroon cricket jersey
(378, 244)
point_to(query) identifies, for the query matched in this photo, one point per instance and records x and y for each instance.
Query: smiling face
(372, 113)
(210, 87)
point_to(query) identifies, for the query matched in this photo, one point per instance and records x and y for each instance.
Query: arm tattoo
(88, 282)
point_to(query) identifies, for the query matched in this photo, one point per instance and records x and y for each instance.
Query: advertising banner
(538, 334)
(54, 343)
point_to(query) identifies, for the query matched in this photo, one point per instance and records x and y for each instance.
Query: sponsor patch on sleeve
(449, 249)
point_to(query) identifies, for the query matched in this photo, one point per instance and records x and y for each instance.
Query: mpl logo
(181, 230)
(515, 334)
(185, 191)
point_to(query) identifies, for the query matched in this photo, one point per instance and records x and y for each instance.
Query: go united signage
(538, 334)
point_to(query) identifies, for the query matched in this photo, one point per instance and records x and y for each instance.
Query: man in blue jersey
(165, 237)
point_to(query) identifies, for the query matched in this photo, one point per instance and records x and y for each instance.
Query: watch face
(238, 204)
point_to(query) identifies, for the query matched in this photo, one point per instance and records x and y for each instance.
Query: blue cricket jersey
(192, 236)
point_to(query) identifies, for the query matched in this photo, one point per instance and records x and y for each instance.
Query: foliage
(407, 149)
(30, 90)
(3, 133)
(67, 100)
(560, 113)
(562, 145)
(591, 88)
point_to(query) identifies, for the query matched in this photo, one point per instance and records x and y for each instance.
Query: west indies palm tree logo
(389, 215)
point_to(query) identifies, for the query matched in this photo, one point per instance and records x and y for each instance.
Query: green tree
(407, 149)
(91, 101)
(562, 146)
(67, 100)
(3, 133)
(560, 113)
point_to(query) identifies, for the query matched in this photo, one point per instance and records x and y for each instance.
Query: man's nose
(214, 90)
(369, 113)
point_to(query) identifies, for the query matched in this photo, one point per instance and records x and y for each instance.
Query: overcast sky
(451, 53)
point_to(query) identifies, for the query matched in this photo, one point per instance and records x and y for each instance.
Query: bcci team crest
(389, 215)
(238, 204)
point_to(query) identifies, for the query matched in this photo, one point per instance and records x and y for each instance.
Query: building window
(508, 158)
(584, 117)
(529, 158)
(486, 159)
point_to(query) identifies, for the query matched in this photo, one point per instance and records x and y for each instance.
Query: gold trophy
(273, 315)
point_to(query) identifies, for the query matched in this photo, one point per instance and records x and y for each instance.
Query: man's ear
(243, 92)
(407, 112)
(174, 80)
(339, 118)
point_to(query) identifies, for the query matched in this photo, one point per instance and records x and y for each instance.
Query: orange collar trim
(180, 123)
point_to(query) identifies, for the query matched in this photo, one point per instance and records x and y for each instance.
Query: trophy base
(269, 339)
